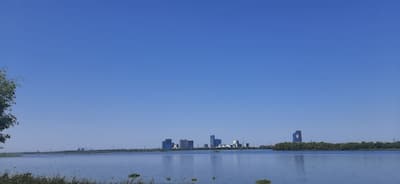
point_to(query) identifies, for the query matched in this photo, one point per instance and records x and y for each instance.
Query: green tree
(7, 99)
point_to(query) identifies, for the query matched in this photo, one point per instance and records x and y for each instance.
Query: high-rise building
(297, 138)
(190, 144)
(217, 142)
(214, 142)
(186, 144)
(167, 144)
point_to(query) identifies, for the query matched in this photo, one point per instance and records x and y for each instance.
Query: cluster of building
(185, 144)
(215, 143)
(167, 144)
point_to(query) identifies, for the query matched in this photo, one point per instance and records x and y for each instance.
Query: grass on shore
(9, 155)
(28, 178)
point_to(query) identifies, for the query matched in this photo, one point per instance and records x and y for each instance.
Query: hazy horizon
(97, 74)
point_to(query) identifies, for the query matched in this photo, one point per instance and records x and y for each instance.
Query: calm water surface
(233, 167)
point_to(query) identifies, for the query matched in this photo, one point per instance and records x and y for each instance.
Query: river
(230, 167)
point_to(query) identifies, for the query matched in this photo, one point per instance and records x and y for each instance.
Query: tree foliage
(7, 99)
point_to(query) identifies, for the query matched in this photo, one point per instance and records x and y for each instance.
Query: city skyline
(188, 144)
(130, 74)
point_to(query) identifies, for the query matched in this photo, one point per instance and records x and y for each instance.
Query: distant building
(214, 143)
(217, 142)
(81, 149)
(186, 144)
(297, 138)
(247, 145)
(224, 146)
(167, 144)
(190, 144)
(205, 145)
(236, 144)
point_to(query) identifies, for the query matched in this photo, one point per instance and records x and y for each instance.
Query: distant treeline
(288, 146)
(79, 151)
(83, 151)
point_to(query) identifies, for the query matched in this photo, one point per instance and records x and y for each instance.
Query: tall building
(217, 142)
(167, 144)
(186, 144)
(214, 142)
(190, 144)
(297, 138)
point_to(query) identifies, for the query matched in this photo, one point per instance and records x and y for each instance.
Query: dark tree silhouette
(7, 99)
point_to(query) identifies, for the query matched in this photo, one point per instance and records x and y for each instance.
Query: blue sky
(127, 74)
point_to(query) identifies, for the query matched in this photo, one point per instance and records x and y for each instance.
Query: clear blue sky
(127, 74)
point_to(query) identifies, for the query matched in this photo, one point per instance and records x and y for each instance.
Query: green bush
(27, 178)
(263, 181)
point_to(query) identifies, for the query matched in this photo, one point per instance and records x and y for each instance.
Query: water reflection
(237, 159)
(216, 163)
(186, 165)
(299, 164)
(281, 167)
(167, 162)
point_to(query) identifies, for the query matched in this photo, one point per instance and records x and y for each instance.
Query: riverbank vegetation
(9, 155)
(288, 146)
(263, 181)
(7, 100)
(28, 178)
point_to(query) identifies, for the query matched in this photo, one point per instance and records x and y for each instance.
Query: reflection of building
(168, 164)
(214, 142)
(185, 144)
(300, 168)
(299, 161)
(217, 167)
(297, 138)
(167, 144)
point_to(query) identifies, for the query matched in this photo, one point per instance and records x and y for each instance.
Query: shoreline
(99, 151)
(280, 147)
(90, 152)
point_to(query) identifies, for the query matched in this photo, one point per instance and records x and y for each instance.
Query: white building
(236, 144)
